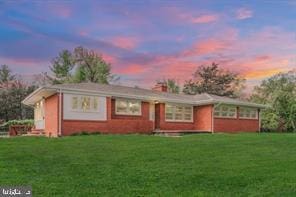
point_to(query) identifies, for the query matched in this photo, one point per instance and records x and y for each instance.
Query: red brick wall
(113, 124)
(164, 125)
(235, 125)
(203, 118)
(52, 115)
(144, 109)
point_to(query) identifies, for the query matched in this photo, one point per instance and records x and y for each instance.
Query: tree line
(84, 65)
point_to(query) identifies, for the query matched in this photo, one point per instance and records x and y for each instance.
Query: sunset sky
(149, 40)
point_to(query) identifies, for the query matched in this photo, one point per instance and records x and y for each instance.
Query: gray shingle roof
(140, 93)
(130, 92)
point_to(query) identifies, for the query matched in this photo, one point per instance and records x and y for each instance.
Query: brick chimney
(162, 87)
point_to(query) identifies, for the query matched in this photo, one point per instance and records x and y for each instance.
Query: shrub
(28, 122)
(86, 133)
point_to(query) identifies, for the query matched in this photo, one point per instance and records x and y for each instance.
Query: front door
(157, 116)
(39, 119)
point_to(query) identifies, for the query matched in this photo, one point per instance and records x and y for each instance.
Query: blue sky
(150, 40)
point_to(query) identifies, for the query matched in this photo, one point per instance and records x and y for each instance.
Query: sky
(151, 40)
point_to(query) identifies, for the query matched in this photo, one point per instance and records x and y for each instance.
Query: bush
(86, 133)
(28, 122)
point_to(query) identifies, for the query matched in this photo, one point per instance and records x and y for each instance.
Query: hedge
(28, 122)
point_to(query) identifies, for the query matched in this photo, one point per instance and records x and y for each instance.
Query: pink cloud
(237, 54)
(244, 13)
(208, 18)
(17, 64)
(132, 69)
(125, 42)
(82, 33)
(262, 58)
(180, 15)
(109, 58)
(207, 46)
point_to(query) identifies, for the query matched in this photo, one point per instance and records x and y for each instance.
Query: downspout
(60, 113)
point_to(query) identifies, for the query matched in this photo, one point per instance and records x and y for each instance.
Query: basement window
(127, 107)
(178, 113)
(248, 113)
(225, 111)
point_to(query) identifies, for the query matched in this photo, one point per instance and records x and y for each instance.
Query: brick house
(65, 109)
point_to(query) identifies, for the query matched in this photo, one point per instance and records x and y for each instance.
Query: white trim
(128, 113)
(92, 100)
(69, 114)
(248, 118)
(190, 121)
(179, 105)
(221, 111)
(225, 117)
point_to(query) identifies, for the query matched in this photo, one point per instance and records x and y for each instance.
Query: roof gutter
(31, 95)
(148, 98)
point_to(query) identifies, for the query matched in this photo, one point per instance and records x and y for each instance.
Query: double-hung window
(225, 111)
(248, 113)
(178, 113)
(127, 107)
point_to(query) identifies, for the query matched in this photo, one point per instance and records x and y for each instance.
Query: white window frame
(79, 100)
(220, 111)
(248, 108)
(128, 111)
(174, 112)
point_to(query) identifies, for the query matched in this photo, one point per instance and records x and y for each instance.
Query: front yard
(139, 165)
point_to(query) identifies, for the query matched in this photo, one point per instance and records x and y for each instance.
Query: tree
(172, 85)
(279, 91)
(12, 92)
(61, 67)
(213, 80)
(5, 76)
(91, 67)
(82, 65)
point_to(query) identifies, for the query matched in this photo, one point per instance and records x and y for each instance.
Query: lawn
(139, 165)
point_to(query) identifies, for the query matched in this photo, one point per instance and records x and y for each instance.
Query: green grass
(139, 165)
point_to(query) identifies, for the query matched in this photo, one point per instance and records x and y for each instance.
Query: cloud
(257, 74)
(245, 55)
(179, 15)
(244, 13)
(24, 65)
(132, 69)
(208, 18)
(206, 47)
(125, 42)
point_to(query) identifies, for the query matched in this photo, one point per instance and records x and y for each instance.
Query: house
(65, 109)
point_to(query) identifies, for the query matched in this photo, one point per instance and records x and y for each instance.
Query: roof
(133, 93)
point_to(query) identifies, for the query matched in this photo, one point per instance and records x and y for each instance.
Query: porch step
(36, 132)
